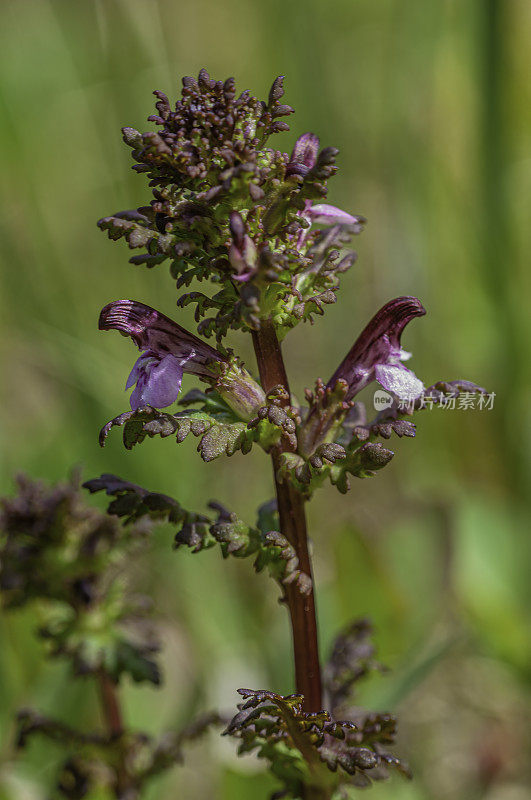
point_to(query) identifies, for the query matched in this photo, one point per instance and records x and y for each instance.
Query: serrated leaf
(327, 754)
(217, 437)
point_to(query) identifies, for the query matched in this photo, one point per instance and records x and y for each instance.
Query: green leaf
(307, 749)
(216, 437)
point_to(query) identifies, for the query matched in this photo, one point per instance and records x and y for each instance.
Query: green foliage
(68, 558)
(335, 462)
(219, 431)
(115, 635)
(313, 750)
(267, 546)
(121, 764)
(360, 462)
(324, 754)
(216, 438)
(354, 451)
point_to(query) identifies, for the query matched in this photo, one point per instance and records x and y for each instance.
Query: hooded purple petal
(158, 383)
(377, 354)
(170, 350)
(304, 155)
(158, 335)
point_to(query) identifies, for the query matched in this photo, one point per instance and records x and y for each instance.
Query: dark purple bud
(242, 252)
(237, 228)
(204, 79)
(283, 110)
(278, 126)
(304, 155)
(277, 90)
(228, 88)
(189, 83)
(256, 192)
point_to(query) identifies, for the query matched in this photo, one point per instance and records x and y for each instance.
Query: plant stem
(112, 713)
(293, 525)
(110, 705)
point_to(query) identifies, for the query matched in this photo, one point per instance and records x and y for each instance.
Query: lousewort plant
(229, 210)
(69, 562)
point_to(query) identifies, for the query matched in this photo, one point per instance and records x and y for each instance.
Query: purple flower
(304, 155)
(377, 354)
(303, 159)
(324, 214)
(158, 380)
(168, 351)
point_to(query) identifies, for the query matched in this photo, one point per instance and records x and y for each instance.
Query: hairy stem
(293, 526)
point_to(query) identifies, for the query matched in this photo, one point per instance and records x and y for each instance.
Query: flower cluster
(168, 350)
(229, 209)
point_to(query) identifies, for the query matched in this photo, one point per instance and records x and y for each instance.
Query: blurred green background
(430, 105)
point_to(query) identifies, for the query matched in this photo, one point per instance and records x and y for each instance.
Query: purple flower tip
(237, 228)
(304, 155)
(128, 317)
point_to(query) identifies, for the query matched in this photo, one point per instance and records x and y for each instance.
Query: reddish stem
(112, 713)
(110, 705)
(293, 526)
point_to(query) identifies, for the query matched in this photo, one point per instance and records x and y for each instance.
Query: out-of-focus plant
(251, 222)
(69, 560)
